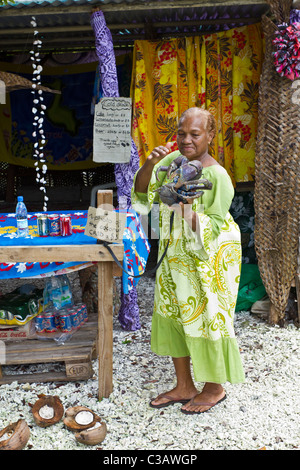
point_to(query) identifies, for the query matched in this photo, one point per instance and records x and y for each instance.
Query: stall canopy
(65, 24)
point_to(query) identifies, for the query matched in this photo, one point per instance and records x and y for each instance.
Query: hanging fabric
(219, 72)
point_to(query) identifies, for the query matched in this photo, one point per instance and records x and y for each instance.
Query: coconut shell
(51, 401)
(19, 434)
(92, 437)
(70, 419)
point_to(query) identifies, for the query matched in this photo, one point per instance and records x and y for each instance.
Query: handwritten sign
(105, 224)
(112, 127)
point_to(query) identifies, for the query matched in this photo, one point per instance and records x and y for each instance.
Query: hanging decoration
(38, 111)
(287, 53)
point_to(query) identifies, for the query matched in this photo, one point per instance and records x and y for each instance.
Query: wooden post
(105, 315)
(105, 330)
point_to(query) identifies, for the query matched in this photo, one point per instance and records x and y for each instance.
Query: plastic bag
(251, 287)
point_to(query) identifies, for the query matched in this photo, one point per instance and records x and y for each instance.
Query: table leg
(105, 329)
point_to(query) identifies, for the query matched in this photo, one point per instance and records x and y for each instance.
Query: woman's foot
(211, 395)
(173, 396)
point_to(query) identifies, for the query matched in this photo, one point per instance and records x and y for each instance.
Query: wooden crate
(76, 354)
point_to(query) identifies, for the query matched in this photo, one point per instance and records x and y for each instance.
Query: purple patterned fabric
(124, 173)
(295, 16)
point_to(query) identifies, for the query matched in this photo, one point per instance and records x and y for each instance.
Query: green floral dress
(197, 282)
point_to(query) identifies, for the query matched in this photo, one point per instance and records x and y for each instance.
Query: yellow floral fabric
(219, 72)
(197, 281)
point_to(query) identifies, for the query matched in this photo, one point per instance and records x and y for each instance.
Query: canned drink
(74, 318)
(65, 225)
(85, 315)
(80, 315)
(62, 311)
(39, 324)
(57, 322)
(54, 225)
(43, 225)
(65, 322)
(50, 323)
(82, 312)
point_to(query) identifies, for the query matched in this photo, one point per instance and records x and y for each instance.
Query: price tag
(105, 224)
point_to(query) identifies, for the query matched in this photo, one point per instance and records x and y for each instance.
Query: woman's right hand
(144, 174)
(158, 153)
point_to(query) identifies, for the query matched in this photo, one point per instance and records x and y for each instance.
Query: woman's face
(192, 136)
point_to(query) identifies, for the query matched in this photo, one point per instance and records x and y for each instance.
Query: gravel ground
(263, 413)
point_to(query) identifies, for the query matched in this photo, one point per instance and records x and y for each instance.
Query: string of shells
(38, 111)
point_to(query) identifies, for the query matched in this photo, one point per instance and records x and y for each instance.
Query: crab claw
(197, 184)
(167, 194)
(174, 165)
(187, 172)
(160, 168)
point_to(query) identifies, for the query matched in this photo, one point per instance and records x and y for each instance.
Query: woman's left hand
(187, 213)
(182, 209)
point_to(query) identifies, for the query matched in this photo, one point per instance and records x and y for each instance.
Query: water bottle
(53, 294)
(21, 217)
(67, 298)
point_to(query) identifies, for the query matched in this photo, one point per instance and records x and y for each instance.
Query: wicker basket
(277, 175)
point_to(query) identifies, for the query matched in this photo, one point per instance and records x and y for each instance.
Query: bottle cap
(20, 198)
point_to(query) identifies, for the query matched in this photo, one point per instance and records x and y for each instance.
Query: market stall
(56, 255)
(217, 54)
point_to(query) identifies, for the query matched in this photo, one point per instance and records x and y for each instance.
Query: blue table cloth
(136, 247)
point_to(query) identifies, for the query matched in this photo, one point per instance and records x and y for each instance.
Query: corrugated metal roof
(65, 24)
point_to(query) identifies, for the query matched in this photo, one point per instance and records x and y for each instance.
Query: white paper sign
(105, 224)
(112, 130)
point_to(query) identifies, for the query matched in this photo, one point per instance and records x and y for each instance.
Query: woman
(197, 282)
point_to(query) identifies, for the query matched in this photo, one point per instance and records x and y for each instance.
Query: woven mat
(277, 173)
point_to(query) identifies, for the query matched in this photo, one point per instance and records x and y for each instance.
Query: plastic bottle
(21, 218)
(67, 298)
(53, 294)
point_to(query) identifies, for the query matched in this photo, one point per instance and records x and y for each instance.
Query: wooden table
(73, 253)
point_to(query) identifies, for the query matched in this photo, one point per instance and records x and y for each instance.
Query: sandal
(193, 403)
(168, 403)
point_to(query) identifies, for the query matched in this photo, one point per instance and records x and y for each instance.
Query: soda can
(50, 323)
(75, 318)
(85, 314)
(39, 324)
(43, 225)
(54, 225)
(79, 313)
(57, 321)
(65, 225)
(65, 322)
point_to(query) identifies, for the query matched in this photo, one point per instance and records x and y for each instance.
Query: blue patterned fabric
(136, 247)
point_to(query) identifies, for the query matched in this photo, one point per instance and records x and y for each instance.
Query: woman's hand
(144, 174)
(158, 153)
(187, 213)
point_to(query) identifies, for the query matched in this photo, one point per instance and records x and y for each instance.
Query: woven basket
(277, 176)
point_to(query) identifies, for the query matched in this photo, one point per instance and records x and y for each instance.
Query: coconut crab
(185, 181)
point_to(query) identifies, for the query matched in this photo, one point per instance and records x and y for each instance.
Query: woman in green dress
(197, 282)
